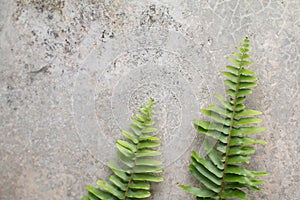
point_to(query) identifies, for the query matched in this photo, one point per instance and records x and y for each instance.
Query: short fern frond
(139, 168)
(221, 172)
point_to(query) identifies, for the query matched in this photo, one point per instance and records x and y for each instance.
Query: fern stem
(131, 175)
(128, 185)
(229, 131)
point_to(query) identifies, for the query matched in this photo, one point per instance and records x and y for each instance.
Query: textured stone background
(73, 72)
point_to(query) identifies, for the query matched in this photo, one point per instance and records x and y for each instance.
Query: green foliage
(222, 172)
(139, 168)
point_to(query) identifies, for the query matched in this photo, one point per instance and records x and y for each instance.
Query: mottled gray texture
(73, 72)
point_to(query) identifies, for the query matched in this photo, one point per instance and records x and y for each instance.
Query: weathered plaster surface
(73, 72)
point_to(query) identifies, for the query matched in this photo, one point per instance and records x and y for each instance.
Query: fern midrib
(229, 131)
(131, 175)
(128, 185)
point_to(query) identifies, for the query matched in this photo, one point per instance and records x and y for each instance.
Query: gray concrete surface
(73, 72)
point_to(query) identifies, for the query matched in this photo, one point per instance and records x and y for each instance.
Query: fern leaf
(131, 179)
(222, 172)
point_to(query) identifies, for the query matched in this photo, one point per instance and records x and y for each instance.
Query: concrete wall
(73, 72)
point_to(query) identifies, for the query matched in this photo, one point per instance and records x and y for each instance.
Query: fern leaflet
(222, 172)
(139, 168)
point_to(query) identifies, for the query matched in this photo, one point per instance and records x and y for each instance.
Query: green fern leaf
(139, 168)
(222, 172)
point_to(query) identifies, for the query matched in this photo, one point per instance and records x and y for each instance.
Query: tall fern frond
(222, 172)
(139, 168)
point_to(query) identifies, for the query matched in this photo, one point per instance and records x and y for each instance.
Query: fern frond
(136, 155)
(221, 172)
